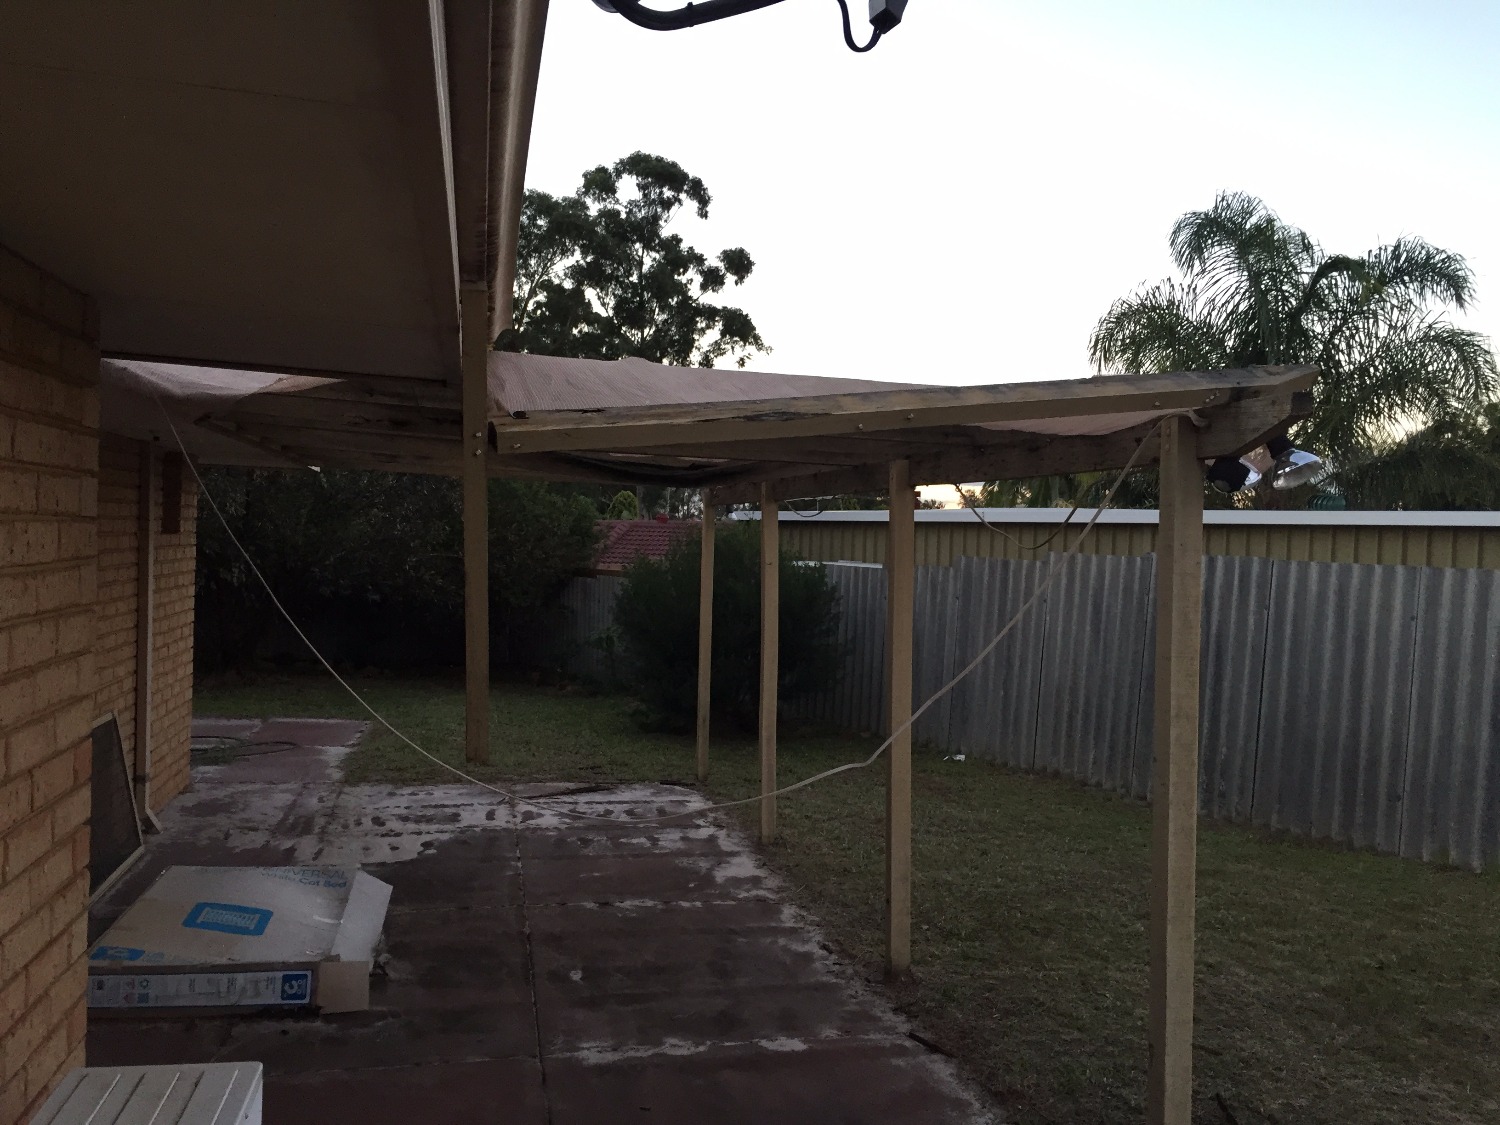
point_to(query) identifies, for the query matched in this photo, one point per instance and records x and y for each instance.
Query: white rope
(555, 810)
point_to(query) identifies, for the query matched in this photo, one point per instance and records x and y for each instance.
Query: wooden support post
(145, 631)
(770, 641)
(474, 318)
(900, 565)
(705, 632)
(1174, 784)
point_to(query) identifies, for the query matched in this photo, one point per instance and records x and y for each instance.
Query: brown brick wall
(120, 495)
(49, 415)
(115, 624)
(172, 660)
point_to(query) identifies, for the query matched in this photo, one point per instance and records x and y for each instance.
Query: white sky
(962, 203)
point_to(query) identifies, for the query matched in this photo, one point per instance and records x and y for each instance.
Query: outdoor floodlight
(1295, 466)
(1233, 474)
(1278, 461)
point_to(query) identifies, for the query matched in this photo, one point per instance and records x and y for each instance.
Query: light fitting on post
(1295, 467)
(1278, 461)
(1233, 474)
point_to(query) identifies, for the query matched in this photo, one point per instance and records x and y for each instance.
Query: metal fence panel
(856, 701)
(1091, 668)
(994, 708)
(1452, 783)
(1236, 601)
(1335, 708)
(586, 613)
(934, 645)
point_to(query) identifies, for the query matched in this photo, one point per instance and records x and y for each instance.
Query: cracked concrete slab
(541, 967)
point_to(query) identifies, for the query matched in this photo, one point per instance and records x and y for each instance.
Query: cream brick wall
(115, 625)
(172, 660)
(120, 496)
(49, 455)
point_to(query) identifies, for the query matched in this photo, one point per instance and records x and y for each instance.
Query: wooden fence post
(705, 633)
(1174, 784)
(475, 345)
(770, 640)
(900, 569)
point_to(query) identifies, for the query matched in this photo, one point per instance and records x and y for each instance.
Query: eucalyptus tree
(600, 274)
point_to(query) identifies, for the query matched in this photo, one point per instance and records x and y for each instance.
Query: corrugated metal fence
(580, 637)
(1356, 703)
(1353, 702)
(1445, 539)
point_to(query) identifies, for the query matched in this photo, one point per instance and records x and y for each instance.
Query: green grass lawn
(1333, 986)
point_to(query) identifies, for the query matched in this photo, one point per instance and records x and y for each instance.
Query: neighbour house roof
(624, 541)
(629, 421)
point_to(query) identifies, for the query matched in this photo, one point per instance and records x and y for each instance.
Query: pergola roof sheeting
(629, 421)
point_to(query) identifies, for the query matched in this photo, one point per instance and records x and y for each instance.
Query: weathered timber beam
(325, 414)
(902, 410)
(1229, 430)
(416, 447)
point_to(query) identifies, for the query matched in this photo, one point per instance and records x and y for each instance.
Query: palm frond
(1165, 327)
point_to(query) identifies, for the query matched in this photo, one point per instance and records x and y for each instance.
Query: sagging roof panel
(618, 422)
(521, 384)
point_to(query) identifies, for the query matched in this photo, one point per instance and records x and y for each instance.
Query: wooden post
(705, 632)
(770, 641)
(145, 619)
(1174, 784)
(474, 314)
(900, 563)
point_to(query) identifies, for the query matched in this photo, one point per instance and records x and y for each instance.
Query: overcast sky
(962, 203)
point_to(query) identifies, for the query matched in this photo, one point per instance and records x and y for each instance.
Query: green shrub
(371, 566)
(657, 615)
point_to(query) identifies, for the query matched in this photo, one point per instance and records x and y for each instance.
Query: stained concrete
(540, 968)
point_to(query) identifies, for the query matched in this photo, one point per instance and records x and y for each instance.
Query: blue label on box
(116, 953)
(296, 988)
(228, 918)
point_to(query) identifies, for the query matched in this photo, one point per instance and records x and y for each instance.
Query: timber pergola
(757, 438)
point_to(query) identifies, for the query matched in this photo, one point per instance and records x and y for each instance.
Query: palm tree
(1257, 290)
(1445, 466)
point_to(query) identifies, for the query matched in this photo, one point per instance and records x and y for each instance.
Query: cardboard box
(237, 939)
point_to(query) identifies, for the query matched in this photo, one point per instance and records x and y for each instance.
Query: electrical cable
(963, 498)
(1051, 576)
(814, 514)
(849, 32)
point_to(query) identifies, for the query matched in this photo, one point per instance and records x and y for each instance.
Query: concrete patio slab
(463, 1093)
(539, 966)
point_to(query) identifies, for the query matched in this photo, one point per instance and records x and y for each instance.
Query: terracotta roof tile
(624, 541)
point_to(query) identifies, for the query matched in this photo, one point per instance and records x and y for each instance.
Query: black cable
(691, 15)
(707, 11)
(849, 32)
